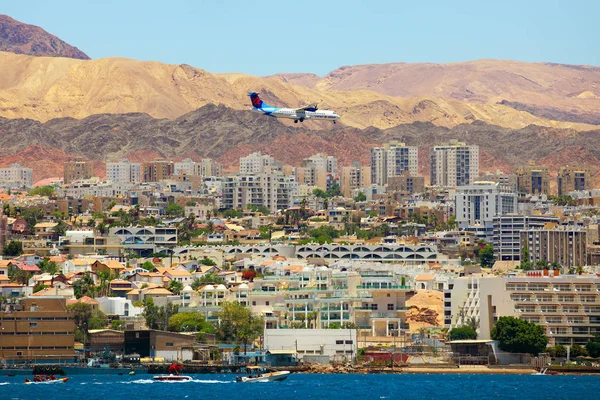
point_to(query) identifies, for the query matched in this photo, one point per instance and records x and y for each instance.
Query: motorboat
(541, 372)
(172, 378)
(55, 380)
(260, 374)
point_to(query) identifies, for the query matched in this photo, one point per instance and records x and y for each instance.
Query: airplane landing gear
(295, 121)
(334, 122)
(301, 119)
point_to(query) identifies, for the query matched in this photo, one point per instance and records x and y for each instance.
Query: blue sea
(305, 387)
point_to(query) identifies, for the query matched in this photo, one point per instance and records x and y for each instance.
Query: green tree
(558, 351)
(81, 313)
(174, 210)
(486, 256)
(84, 286)
(47, 266)
(593, 346)
(525, 263)
(258, 208)
(32, 216)
(320, 193)
(360, 197)
(148, 266)
(228, 214)
(47, 191)
(14, 248)
(60, 228)
(212, 278)
(208, 261)
(238, 324)
(334, 190)
(578, 350)
(117, 325)
(518, 336)
(175, 287)
(189, 322)
(463, 333)
(17, 275)
(39, 287)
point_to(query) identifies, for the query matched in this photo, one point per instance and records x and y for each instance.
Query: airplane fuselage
(298, 115)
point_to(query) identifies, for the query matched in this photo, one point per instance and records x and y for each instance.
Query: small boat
(541, 372)
(172, 378)
(132, 372)
(57, 380)
(260, 374)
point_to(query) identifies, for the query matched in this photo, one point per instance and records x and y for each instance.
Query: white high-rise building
(274, 191)
(392, 160)
(454, 164)
(209, 167)
(185, 167)
(478, 204)
(322, 161)
(16, 176)
(123, 171)
(257, 163)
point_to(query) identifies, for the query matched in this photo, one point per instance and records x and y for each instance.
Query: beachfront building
(568, 306)
(36, 329)
(321, 345)
(393, 159)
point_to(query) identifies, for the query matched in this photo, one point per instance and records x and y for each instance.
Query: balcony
(391, 287)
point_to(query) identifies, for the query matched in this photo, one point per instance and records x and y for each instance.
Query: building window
(339, 342)
(390, 307)
(348, 341)
(266, 303)
(33, 324)
(169, 344)
(253, 302)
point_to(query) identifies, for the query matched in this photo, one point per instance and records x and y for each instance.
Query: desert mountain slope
(17, 37)
(42, 88)
(225, 134)
(544, 89)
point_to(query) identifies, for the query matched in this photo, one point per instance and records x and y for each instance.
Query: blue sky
(266, 37)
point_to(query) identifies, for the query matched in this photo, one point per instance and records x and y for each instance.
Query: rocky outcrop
(17, 37)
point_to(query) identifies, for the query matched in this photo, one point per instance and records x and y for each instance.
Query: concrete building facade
(454, 164)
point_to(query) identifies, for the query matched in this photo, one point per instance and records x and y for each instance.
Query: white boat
(57, 380)
(540, 372)
(259, 374)
(172, 378)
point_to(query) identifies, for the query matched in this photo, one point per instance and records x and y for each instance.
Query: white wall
(313, 341)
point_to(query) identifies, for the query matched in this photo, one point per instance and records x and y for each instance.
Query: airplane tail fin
(256, 101)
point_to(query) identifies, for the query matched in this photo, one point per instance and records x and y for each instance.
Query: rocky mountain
(42, 88)
(17, 37)
(225, 134)
(554, 91)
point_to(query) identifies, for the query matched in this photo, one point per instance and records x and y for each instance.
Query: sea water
(306, 386)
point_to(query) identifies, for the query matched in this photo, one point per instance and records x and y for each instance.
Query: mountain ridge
(20, 38)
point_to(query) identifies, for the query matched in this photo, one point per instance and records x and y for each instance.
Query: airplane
(297, 114)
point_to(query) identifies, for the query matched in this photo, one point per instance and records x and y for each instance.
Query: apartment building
(274, 191)
(406, 184)
(532, 179)
(78, 170)
(572, 179)
(38, 330)
(564, 245)
(354, 177)
(157, 170)
(480, 202)
(507, 233)
(208, 167)
(123, 171)
(322, 162)
(454, 164)
(15, 176)
(258, 163)
(567, 307)
(392, 159)
(145, 240)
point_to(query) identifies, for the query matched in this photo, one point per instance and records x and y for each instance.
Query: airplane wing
(310, 107)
